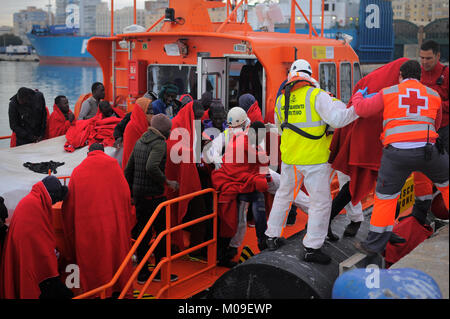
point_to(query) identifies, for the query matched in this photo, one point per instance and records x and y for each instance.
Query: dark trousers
(341, 200)
(144, 210)
(396, 166)
(443, 135)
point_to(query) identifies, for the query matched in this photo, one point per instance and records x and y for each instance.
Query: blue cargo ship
(58, 44)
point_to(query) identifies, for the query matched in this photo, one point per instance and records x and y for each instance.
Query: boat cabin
(226, 58)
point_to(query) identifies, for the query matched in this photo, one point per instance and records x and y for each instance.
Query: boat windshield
(183, 76)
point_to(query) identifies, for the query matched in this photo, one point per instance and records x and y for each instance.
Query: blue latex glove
(364, 93)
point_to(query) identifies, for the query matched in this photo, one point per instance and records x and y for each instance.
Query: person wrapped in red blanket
(356, 149)
(244, 170)
(99, 129)
(97, 221)
(61, 118)
(138, 125)
(183, 152)
(29, 268)
(251, 106)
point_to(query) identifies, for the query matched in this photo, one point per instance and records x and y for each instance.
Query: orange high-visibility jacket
(410, 110)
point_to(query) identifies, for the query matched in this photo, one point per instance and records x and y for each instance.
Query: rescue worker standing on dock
(304, 120)
(435, 76)
(410, 110)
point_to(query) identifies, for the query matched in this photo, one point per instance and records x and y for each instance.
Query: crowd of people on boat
(395, 125)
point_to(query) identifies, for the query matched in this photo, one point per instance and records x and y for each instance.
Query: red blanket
(185, 172)
(57, 123)
(254, 113)
(93, 130)
(97, 221)
(356, 149)
(137, 126)
(235, 178)
(29, 252)
(103, 131)
(414, 233)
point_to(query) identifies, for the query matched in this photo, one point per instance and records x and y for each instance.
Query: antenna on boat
(49, 12)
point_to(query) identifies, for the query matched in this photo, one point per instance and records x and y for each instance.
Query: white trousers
(317, 182)
(354, 212)
(301, 201)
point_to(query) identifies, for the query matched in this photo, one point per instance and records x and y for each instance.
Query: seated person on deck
(90, 106)
(61, 118)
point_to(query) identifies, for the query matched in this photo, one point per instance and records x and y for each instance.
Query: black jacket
(28, 121)
(120, 127)
(145, 168)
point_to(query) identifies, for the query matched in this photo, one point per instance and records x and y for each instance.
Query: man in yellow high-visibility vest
(304, 155)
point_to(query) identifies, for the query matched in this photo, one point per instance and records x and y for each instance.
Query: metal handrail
(231, 15)
(168, 259)
(5, 137)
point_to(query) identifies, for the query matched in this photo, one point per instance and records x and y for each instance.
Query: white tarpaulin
(16, 180)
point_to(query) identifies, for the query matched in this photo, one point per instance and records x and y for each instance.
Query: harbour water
(51, 80)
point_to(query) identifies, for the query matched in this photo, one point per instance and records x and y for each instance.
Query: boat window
(244, 76)
(213, 84)
(183, 76)
(213, 77)
(356, 73)
(346, 81)
(327, 77)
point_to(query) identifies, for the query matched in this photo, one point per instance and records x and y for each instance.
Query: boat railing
(232, 9)
(5, 137)
(165, 265)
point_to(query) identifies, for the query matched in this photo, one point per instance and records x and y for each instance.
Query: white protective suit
(316, 179)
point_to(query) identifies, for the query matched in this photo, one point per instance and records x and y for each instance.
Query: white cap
(236, 116)
(301, 66)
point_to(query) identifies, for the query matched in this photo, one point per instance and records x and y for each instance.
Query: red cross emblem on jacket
(413, 102)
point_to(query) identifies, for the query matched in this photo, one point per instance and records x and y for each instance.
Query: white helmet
(301, 66)
(236, 116)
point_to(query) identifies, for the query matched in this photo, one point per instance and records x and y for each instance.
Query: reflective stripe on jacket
(296, 149)
(410, 110)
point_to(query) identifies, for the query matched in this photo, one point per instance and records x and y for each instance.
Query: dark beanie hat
(246, 100)
(161, 122)
(96, 147)
(54, 187)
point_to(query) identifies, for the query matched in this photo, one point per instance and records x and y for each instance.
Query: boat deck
(185, 266)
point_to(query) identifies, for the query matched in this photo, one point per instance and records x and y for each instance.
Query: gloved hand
(364, 93)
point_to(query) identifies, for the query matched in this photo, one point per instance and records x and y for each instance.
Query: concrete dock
(431, 257)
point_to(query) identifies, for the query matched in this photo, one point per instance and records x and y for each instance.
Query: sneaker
(262, 243)
(227, 263)
(230, 252)
(316, 256)
(352, 229)
(361, 247)
(157, 278)
(273, 243)
(331, 236)
(143, 275)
